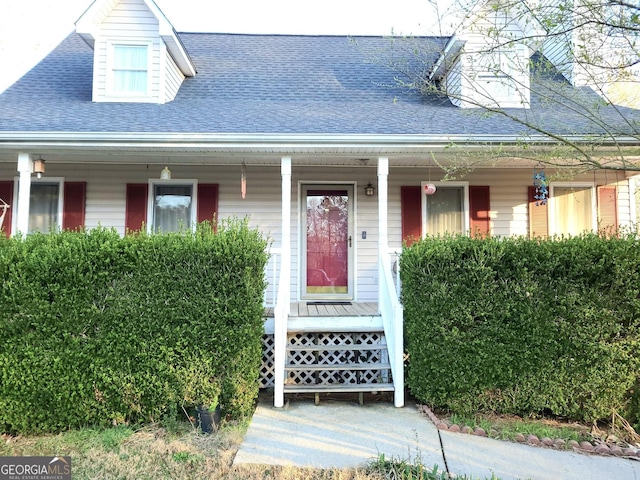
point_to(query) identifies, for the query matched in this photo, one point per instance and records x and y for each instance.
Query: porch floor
(318, 309)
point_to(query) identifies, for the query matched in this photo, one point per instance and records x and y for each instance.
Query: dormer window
(498, 70)
(130, 70)
(138, 56)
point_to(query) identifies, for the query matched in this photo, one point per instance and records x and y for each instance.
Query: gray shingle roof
(272, 84)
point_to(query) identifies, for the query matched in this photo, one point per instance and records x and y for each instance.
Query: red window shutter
(479, 207)
(538, 216)
(411, 213)
(6, 194)
(607, 209)
(136, 209)
(207, 202)
(74, 205)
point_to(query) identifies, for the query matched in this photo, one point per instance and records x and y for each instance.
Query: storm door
(327, 253)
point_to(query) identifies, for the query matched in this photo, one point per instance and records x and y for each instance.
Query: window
(497, 71)
(172, 206)
(53, 204)
(446, 211)
(129, 69)
(573, 209)
(200, 205)
(45, 206)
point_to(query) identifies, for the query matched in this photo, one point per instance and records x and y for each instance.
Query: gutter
(284, 142)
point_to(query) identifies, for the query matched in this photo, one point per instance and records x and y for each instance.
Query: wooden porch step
(359, 388)
(339, 387)
(314, 367)
(334, 348)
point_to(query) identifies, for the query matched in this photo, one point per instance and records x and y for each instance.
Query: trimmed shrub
(523, 326)
(99, 329)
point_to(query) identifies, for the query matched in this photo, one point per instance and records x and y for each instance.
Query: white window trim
(177, 182)
(465, 203)
(552, 203)
(114, 95)
(35, 180)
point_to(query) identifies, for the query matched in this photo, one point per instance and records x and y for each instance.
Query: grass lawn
(178, 451)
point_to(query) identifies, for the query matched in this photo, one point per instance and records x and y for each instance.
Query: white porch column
(383, 208)
(25, 168)
(283, 300)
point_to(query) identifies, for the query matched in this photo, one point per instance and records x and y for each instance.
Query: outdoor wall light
(165, 174)
(38, 167)
(369, 190)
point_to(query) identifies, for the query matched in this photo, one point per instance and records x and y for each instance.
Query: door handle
(349, 241)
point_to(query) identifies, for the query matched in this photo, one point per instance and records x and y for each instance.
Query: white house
(128, 124)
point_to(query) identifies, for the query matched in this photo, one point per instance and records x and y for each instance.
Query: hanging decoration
(4, 206)
(542, 186)
(429, 189)
(243, 180)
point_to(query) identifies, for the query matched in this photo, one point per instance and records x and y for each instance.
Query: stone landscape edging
(601, 448)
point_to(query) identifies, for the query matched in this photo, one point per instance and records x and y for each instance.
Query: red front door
(328, 242)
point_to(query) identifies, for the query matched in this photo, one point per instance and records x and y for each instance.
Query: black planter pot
(207, 420)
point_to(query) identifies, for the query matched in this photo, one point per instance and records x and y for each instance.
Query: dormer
(486, 63)
(138, 56)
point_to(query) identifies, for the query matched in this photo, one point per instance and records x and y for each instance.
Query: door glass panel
(327, 227)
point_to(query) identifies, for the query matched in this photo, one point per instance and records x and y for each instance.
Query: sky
(30, 29)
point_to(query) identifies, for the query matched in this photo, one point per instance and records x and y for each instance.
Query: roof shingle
(271, 84)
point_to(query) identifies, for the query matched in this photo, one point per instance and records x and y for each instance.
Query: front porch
(318, 347)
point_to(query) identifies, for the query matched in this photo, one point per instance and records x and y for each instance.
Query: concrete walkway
(343, 434)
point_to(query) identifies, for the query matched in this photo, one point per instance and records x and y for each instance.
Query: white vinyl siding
(173, 77)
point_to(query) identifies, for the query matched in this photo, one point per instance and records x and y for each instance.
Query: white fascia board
(88, 25)
(170, 38)
(178, 53)
(447, 57)
(259, 142)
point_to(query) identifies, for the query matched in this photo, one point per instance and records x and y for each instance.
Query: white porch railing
(395, 271)
(271, 274)
(392, 321)
(281, 315)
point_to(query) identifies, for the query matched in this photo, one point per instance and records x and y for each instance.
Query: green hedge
(524, 326)
(99, 329)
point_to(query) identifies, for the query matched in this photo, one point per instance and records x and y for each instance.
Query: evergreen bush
(524, 326)
(98, 329)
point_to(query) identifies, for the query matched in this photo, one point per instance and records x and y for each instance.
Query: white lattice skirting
(327, 356)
